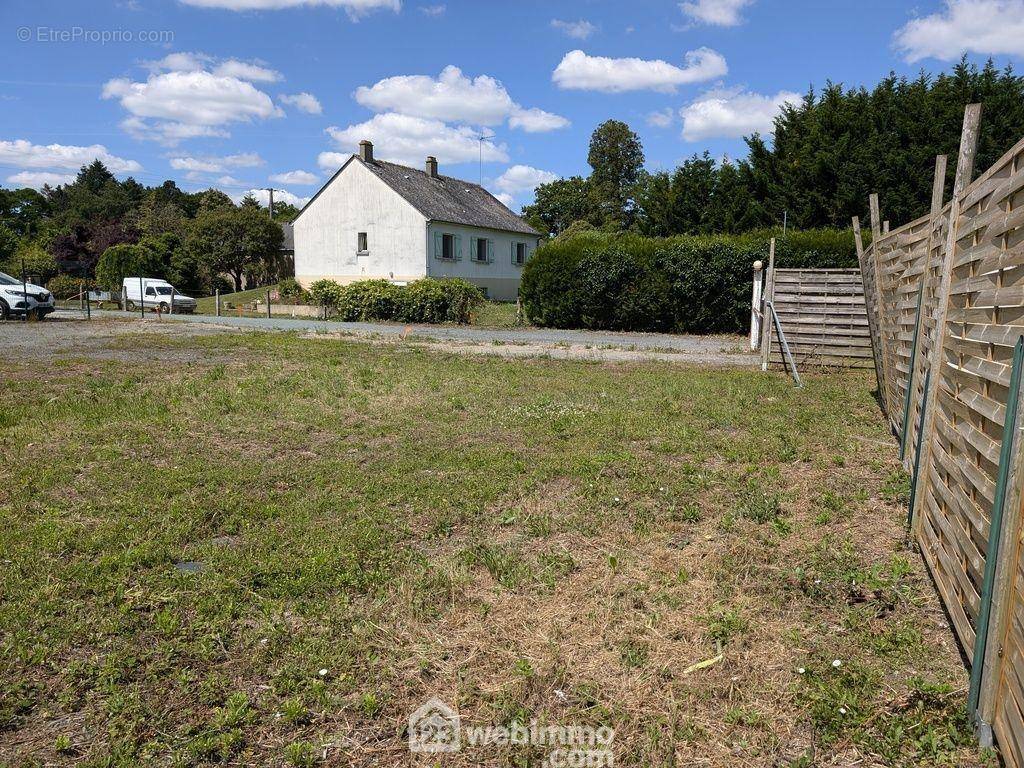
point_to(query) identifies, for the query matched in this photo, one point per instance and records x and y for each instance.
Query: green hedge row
(680, 284)
(429, 300)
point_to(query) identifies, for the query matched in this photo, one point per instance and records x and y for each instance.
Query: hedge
(429, 300)
(681, 284)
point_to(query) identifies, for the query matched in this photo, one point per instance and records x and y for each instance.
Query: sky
(242, 95)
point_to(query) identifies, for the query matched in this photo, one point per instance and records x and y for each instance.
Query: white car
(156, 294)
(18, 299)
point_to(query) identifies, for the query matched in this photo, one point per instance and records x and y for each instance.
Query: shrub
(66, 286)
(689, 284)
(369, 300)
(290, 288)
(432, 300)
(325, 293)
(429, 300)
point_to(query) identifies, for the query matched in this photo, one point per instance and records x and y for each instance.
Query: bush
(429, 300)
(290, 288)
(66, 286)
(325, 293)
(686, 284)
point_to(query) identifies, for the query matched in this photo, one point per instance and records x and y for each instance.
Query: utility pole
(271, 191)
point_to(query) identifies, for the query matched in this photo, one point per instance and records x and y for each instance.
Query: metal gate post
(995, 529)
(916, 477)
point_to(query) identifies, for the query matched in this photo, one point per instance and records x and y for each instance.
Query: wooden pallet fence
(823, 315)
(964, 262)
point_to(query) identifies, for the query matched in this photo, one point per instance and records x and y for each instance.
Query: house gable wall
(357, 201)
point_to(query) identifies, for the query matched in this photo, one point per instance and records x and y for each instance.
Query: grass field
(262, 549)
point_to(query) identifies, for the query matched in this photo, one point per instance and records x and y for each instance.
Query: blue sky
(244, 94)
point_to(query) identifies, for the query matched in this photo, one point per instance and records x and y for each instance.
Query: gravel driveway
(67, 331)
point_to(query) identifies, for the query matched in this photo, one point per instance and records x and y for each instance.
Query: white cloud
(578, 71)
(355, 8)
(719, 13)
(506, 199)
(304, 102)
(245, 70)
(579, 30)
(987, 27)
(280, 196)
(301, 178)
(433, 10)
(216, 164)
(187, 104)
(537, 121)
(453, 97)
(39, 179)
(733, 114)
(332, 161)
(24, 154)
(194, 61)
(408, 140)
(523, 178)
(662, 118)
(229, 181)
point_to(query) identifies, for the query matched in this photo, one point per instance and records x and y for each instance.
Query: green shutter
(438, 245)
(490, 251)
(472, 248)
(458, 247)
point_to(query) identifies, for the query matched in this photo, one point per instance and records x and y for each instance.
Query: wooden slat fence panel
(823, 316)
(973, 348)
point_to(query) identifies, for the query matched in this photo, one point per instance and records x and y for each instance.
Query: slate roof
(444, 198)
(448, 199)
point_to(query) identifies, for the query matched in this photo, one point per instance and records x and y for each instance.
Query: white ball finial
(758, 265)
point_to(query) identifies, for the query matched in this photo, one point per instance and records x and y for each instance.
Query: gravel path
(67, 331)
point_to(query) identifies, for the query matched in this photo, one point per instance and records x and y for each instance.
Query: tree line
(99, 228)
(827, 155)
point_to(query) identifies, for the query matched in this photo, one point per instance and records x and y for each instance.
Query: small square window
(363, 244)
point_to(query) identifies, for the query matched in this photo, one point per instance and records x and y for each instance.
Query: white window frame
(362, 239)
(516, 245)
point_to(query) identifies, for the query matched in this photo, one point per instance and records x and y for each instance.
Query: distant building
(381, 220)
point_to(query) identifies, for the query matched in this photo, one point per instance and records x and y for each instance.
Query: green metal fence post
(995, 528)
(915, 478)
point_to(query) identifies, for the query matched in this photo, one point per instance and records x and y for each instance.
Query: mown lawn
(263, 549)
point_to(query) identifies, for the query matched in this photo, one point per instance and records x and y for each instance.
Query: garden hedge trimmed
(429, 300)
(679, 284)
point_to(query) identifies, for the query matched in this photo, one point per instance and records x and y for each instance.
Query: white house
(381, 220)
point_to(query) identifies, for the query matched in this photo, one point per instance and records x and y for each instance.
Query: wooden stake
(883, 343)
(938, 190)
(964, 172)
(769, 295)
(872, 311)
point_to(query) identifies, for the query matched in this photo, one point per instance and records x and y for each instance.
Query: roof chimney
(432, 167)
(366, 151)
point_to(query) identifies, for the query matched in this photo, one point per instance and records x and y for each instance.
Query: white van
(155, 294)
